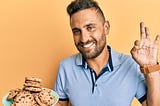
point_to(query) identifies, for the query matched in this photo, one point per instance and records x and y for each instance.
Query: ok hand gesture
(145, 51)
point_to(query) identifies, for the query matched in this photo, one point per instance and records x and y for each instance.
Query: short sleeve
(59, 86)
(141, 93)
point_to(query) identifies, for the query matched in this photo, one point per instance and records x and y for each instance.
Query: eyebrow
(73, 29)
(91, 24)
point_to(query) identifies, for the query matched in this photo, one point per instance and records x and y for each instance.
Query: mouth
(88, 45)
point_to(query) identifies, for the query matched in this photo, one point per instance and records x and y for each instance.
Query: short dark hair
(78, 5)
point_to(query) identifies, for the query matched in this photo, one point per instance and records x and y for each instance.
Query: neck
(99, 62)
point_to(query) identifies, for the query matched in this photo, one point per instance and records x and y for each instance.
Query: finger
(134, 49)
(157, 40)
(142, 31)
(137, 43)
(137, 47)
(147, 32)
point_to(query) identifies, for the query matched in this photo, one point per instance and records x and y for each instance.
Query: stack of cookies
(24, 98)
(44, 98)
(32, 94)
(32, 84)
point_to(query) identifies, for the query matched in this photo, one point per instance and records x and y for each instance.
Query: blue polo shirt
(117, 84)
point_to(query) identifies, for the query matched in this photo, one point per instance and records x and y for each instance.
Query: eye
(76, 31)
(90, 28)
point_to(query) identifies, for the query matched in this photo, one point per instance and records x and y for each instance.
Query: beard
(94, 52)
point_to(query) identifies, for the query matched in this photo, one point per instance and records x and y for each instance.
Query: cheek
(75, 40)
(99, 34)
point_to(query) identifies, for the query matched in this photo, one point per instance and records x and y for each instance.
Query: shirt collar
(113, 59)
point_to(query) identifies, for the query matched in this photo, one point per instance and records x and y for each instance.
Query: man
(100, 76)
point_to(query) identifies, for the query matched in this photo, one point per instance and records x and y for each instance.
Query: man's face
(89, 32)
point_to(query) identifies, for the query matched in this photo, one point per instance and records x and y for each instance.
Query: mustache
(84, 43)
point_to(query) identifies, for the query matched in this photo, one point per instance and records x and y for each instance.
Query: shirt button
(95, 85)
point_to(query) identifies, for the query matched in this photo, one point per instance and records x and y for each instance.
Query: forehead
(85, 16)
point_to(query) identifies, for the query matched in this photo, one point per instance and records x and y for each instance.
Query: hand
(145, 51)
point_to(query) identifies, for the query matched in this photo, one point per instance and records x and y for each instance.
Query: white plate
(9, 102)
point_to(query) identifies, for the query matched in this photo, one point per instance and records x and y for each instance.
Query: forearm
(62, 103)
(153, 92)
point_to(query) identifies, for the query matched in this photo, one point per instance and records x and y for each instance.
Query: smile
(88, 45)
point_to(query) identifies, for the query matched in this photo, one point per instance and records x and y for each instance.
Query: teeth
(88, 45)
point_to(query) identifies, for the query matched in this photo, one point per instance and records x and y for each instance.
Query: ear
(106, 27)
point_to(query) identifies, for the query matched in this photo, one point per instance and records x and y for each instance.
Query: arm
(153, 94)
(62, 103)
(145, 53)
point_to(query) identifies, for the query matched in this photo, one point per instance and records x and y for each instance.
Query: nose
(84, 36)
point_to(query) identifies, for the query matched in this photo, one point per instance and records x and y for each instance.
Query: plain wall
(35, 35)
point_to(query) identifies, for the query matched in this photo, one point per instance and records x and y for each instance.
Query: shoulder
(121, 58)
(68, 65)
(70, 59)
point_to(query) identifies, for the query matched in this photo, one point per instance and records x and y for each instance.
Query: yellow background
(35, 35)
